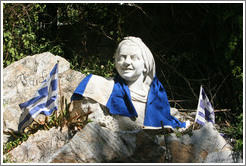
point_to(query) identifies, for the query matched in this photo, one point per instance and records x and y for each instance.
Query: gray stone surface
(221, 157)
(203, 143)
(101, 115)
(22, 78)
(39, 146)
(99, 144)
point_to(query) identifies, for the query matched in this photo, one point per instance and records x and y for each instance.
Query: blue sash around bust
(119, 103)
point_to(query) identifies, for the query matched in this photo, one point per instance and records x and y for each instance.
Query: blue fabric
(37, 108)
(77, 94)
(158, 108)
(119, 103)
(42, 93)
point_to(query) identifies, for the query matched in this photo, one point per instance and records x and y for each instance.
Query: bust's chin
(128, 77)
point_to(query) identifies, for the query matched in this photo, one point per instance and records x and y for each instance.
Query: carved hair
(147, 56)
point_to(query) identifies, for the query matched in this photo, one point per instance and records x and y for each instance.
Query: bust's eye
(121, 57)
(134, 57)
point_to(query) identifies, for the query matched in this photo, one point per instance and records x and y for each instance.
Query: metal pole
(167, 151)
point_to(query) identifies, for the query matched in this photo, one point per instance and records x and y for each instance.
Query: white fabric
(99, 89)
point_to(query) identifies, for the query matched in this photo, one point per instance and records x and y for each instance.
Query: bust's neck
(137, 84)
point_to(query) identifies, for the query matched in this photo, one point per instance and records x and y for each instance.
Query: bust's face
(129, 62)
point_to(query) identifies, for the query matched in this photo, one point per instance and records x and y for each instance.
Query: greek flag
(43, 102)
(205, 111)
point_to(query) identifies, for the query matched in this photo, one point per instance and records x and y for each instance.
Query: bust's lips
(127, 71)
(126, 68)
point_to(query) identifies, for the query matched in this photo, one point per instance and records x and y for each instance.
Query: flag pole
(194, 124)
(61, 103)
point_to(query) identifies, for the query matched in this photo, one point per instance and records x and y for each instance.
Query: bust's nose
(127, 61)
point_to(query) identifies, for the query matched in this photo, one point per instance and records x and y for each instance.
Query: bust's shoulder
(97, 88)
(98, 79)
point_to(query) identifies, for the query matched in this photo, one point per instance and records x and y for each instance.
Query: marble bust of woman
(135, 96)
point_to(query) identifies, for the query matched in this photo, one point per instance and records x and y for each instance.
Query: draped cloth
(117, 98)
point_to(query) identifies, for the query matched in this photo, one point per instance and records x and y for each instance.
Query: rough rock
(204, 145)
(101, 115)
(222, 157)
(39, 146)
(174, 112)
(22, 78)
(96, 144)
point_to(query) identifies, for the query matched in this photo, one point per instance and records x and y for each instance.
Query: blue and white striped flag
(205, 111)
(43, 102)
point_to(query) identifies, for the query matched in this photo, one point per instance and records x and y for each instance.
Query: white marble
(134, 63)
(130, 65)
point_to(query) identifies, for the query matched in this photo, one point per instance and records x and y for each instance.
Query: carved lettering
(32, 82)
(24, 80)
(10, 84)
(41, 79)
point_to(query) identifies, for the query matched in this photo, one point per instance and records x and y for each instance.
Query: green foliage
(89, 120)
(20, 32)
(8, 159)
(178, 134)
(12, 144)
(99, 67)
(236, 132)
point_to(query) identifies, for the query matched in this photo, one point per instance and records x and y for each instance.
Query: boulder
(94, 144)
(39, 146)
(22, 78)
(97, 144)
(222, 157)
(100, 114)
(202, 145)
(197, 146)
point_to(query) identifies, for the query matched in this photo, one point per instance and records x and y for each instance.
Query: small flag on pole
(205, 111)
(43, 102)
